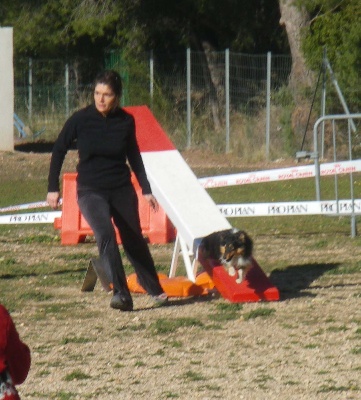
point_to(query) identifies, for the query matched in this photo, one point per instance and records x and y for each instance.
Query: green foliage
(336, 27)
(241, 26)
(66, 27)
(63, 28)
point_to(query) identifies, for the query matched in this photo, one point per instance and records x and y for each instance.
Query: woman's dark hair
(112, 79)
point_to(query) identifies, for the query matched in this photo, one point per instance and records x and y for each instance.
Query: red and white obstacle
(192, 211)
(194, 214)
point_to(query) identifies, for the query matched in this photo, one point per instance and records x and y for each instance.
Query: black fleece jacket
(104, 145)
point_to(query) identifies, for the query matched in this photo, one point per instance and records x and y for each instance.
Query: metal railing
(315, 155)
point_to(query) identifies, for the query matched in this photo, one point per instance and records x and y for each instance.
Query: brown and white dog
(233, 248)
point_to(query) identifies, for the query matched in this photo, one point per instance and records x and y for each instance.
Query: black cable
(313, 101)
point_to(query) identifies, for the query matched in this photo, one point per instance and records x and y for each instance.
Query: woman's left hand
(152, 202)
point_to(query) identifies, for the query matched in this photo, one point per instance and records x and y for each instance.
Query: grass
(356, 350)
(333, 388)
(297, 190)
(193, 376)
(37, 274)
(166, 326)
(226, 312)
(76, 376)
(77, 340)
(36, 296)
(259, 313)
(34, 189)
(65, 395)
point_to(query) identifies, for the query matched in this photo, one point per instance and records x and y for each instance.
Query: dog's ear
(243, 237)
(223, 235)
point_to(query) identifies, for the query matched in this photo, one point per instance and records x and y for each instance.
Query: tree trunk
(294, 19)
(215, 88)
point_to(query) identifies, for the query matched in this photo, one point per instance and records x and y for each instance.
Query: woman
(14, 357)
(106, 141)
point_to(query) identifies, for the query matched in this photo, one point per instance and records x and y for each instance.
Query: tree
(335, 25)
(76, 28)
(208, 26)
(294, 18)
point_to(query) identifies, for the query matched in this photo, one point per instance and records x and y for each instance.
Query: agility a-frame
(192, 212)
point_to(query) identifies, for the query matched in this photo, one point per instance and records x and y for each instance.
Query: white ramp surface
(187, 204)
(189, 207)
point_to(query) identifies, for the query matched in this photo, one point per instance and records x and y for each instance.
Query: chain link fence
(218, 101)
(47, 92)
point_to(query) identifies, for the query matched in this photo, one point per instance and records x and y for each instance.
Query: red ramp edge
(150, 135)
(255, 287)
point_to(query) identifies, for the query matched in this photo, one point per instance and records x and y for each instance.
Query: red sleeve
(17, 353)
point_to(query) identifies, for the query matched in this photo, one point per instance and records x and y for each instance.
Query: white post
(268, 107)
(66, 90)
(189, 109)
(323, 103)
(30, 86)
(6, 90)
(151, 80)
(227, 101)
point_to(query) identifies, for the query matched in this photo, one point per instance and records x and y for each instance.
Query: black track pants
(98, 208)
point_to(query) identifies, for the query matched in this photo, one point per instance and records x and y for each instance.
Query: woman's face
(104, 98)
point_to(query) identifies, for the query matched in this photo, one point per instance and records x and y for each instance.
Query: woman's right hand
(53, 199)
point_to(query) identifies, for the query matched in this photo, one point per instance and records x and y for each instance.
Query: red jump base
(255, 287)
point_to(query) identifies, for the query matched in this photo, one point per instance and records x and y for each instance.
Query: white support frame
(190, 260)
(6, 90)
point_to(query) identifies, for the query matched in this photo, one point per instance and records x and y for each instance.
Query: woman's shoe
(160, 300)
(121, 302)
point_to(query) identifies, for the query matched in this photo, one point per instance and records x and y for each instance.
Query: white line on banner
(305, 171)
(281, 174)
(28, 206)
(30, 218)
(329, 207)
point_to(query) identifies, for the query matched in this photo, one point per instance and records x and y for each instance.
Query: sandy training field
(305, 346)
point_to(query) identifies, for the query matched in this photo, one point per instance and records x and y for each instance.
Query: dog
(233, 248)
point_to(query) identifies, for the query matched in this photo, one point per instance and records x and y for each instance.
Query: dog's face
(236, 248)
(231, 246)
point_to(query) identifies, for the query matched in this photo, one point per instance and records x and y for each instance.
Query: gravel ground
(305, 346)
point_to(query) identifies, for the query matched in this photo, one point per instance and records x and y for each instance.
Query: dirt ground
(305, 346)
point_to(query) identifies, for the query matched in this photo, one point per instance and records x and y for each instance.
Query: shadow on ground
(34, 147)
(295, 279)
(15, 275)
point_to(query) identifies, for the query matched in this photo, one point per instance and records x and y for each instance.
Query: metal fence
(219, 101)
(339, 134)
